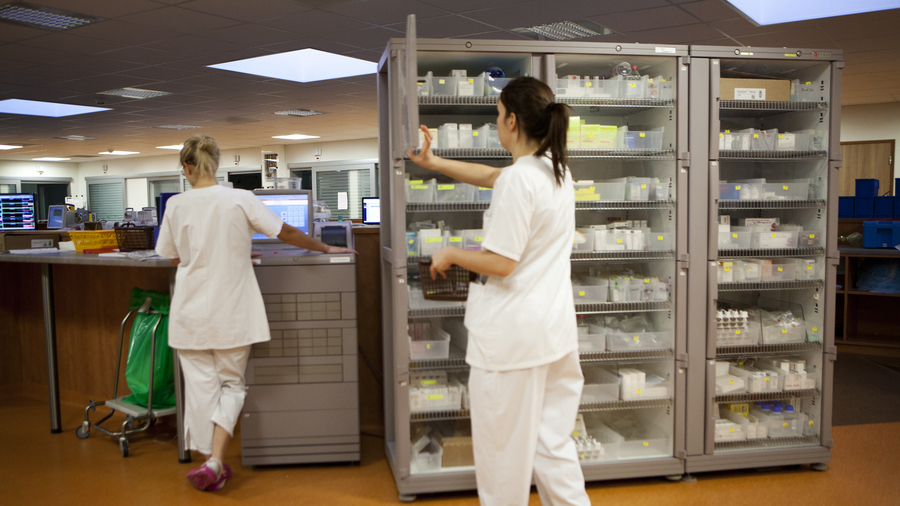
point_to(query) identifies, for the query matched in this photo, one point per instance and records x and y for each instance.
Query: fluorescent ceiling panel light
(76, 138)
(46, 109)
(119, 153)
(5, 147)
(299, 112)
(302, 66)
(135, 93)
(295, 137)
(50, 159)
(173, 146)
(43, 17)
(177, 127)
(771, 12)
(564, 30)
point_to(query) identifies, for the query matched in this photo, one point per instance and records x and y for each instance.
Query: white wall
(28, 170)
(873, 122)
(344, 150)
(136, 194)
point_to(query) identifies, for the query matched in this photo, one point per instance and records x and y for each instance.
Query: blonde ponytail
(202, 152)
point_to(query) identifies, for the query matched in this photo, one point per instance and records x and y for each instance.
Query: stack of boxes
(884, 232)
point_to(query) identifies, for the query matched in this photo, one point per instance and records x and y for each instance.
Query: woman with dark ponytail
(525, 381)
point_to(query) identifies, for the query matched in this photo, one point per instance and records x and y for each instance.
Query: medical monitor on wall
(293, 206)
(371, 210)
(17, 211)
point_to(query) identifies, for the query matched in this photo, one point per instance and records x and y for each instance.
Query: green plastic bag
(137, 369)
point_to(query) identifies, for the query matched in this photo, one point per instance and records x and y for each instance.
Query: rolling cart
(138, 418)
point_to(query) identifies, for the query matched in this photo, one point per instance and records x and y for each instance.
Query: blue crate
(863, 207)
(884, 207)
(881, 234)
(897, 187)
(896, 207)
(845, 207)
(866, 187)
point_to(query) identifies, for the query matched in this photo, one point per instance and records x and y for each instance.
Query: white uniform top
(526, 319)
(217, 303)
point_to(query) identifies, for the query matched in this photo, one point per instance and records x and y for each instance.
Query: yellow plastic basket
(93, 239)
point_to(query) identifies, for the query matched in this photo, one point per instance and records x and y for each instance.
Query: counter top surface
(868, 252)
(76, 258)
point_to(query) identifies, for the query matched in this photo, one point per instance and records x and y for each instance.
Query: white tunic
(526, 319)
(217, 303)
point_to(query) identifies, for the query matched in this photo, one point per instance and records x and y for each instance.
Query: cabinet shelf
(455, 360)
(622, 307)
(596, 154)
(597, 407)
(625, 356)
(588, 256)
(437, 312)
(766, 444)
(611, 205)
(752, 286)
(617, 106)
(447, 105)
(771, 253)
(435, 416)
(767, 350)
(759, 108)
(445, 207)
(810, 393)
(771, 204)
(775, 156)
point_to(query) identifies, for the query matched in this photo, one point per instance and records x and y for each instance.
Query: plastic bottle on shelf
(633, 74)
(622, 69)
(790, 417)
(776, 421)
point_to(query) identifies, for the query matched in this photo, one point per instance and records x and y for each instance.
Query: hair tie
(551, 104)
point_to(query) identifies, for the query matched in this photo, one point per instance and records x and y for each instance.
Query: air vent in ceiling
(135, 93)
(299, 112)
(43, 17)
(564, 30)
(76, 138)
(177, 127)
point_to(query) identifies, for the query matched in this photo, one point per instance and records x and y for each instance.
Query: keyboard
(34, 251)
(274, 247)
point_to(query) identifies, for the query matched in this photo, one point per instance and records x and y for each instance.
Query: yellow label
(576, 433)
(633, 85)
(638, 390)
(767, 379)
(732, 382)
(446, 187)
(732, 430)
(727, 269)
(784, 187)
(756, 136)
(646, 280)
(773, 235)
(427, 346)
(478, 239)
(619, 240)
(589, 84)
(581, 294)
(456, 239)
(740, 364)
(475, 134)
(809, 267)
(810, 422)
(434, 239)
(659, 237)
(646, 443)
(812, 236)
(815, 329)
(780, 136)
(435, 397)
(721, 136)
(643, 186)
(590, 135)
(737, 332)
(738, 187)
(419, 187)
(808, 83)
(734, 235)
(643, 134)
(785, 424)
(780, 269)
(471, 81)
(790, 55)
(727, 131)
(416, 181)
(441, 81)
(412, 241)
(429, 382)
(636, 338)
(484, 188)
(783, 331)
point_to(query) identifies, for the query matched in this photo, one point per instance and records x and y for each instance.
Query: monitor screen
(292, 206)
(371, 210)
(17, 211)
(56, 216)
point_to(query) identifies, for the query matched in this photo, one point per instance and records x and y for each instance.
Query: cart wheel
(819, 467)
(407, 498)
(123, 445)
(84, 431)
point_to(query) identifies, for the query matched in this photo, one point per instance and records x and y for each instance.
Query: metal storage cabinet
(656, 447)
(801, 188)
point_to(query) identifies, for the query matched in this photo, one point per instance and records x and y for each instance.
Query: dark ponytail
(540, 118)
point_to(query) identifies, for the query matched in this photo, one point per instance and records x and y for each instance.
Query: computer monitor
(17, 211)
(56, 217)
(371, 210)
(293, 206)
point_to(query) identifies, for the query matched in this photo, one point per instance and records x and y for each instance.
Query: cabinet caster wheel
(123, 445)
(819, 467)
(674, 477)
(407, 498)
(84, 431)
(687, 478)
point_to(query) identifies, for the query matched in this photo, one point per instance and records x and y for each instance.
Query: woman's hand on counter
(336, 250)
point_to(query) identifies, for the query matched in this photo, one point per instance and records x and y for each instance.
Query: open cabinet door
(408, 103)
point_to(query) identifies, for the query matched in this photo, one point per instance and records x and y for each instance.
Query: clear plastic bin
(572, 87)
(798, 141)
(493, 86)
(429, 245)
(605, 88)
(634, 88)
(740, 141)
(600, 385)
(412, 244)
(734, 239)
(483, 194)
(764, 140)
(781, 272)
(785, 191)
(637, 188)
(609, 440)
(439, 398)
(649, 391)
(610, 191)
(427, 460)
(472, 239)
(771, 240)
(420, 191)
(781, 335)
(647, 140)
(591, 294)
(807, 239)
(659, 191)
(470, 86)
(729, 191)
(738, 337)
(807, 269)
(660, 241)
(444, 86)
(585, 189)
(654, 444)
(454, 192)
(616, 341)
(480, 137)
(594, 340)
(435, 348)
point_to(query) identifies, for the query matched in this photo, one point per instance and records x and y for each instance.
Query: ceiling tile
(678, 35)
(710, 10)
(739, 27)
(523, 15)
(445, 26)
(242, 10)
(591, 8)
(648, 19)
(98, 64)
(315, 23)
(126, 33)
(369, 38)
(19, 52)
(384, 12)
(144, 55)
(10, 32)
(314, 43)
(179, 20)
(250, 35)
(880, 42)
(101, 8)
(73, 43)
(496, 35)
(193, 45)
(458, 6)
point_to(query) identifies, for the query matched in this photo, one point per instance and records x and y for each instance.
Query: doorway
(246, 180)
(46, 195)
(867, 160)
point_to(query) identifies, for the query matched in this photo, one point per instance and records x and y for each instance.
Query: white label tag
(749, 93)
(668, 50)
(340, 260)
(41, 243)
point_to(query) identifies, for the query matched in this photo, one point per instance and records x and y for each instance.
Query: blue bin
(866, 187)
(864, 207)
(845, 206)
(884, 207)
(897, 187)
(881, 234)
(896, 207)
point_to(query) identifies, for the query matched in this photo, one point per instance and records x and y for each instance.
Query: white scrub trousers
(214, 393)
(522, 422)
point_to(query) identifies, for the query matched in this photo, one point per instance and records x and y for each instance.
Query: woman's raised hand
(425, 158)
